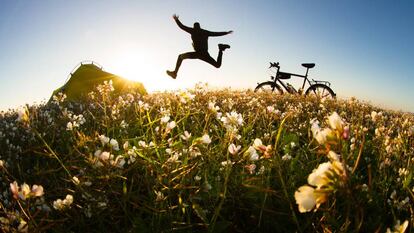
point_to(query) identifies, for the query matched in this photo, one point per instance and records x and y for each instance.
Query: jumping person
(200, 45)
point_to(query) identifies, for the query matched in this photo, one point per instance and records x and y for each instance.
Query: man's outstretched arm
(219, 33)
(182, 26)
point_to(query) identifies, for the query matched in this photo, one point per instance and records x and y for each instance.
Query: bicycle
(320, 89)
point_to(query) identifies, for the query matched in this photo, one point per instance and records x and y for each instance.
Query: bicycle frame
(276, 78)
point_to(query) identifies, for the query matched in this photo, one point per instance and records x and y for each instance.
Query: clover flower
(233, 149)
(104, 140)
(63, 204)
(186, 136)
(205, 139)
(252, 154)
(114, 144)
(305, 198)
(24, 192)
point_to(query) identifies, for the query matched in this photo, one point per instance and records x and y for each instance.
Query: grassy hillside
(199, 160)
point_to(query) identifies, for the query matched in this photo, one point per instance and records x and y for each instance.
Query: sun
(141, 65)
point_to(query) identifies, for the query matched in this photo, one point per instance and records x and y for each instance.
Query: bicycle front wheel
(268, 87)
(320, 91)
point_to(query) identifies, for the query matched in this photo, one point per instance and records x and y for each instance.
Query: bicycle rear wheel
(268, 87)
(320, 91)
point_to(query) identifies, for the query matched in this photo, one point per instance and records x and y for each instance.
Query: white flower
(37, 190)
(232, 121)
(165, 119)
(69, 126)
(374, 116)
(23, 115)
(227, 163)
(257, 143)
(212, 107)
(170, 125)
(286, 157)
(253, 155)
(186, 136)
(318, 176)
(335, 121)
(251, 168)
(25, 191)
(205, 139)
(75, 180)
(62, 204)
(305, 198)
(233, 149)
(114, 144)
(104, 139)
(104, 156)
(142, 144)
(333, 156)
(197, 178)
(125, 145)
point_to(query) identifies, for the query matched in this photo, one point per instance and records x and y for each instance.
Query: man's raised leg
(181, 57)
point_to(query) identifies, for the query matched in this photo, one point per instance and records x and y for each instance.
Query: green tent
(88, 75)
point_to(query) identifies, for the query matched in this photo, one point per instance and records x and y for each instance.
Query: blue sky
(364, 48)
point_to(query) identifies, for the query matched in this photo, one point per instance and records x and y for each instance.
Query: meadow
(205, 160)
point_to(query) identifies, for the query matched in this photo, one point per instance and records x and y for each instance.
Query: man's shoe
(172, 74)
(223, 47)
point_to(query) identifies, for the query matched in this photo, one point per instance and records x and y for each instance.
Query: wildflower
(170, 125)
(75, 180)
(233, 149)
(114, 144)
(123, 124)
(252, 153)
(227, 163)
(318, 176)
(69, 126)
(335, 122)
(37, 190)
(345, 134)
(165, 119)
(1, 163)
(266, 150)
(142, 144)
(63, 204)
(23, 115)
(206, 139)
(251, 168)
(321, 135)
(118, 162)
(24, 191)
(14, 188)
(197, 178)
(333, 156)
(125, 146)
(212, 107)
(374, 116)
(104, 156)
(232, 120)
(104, 140)
(186, 136)
(286, 157)
(305, 198)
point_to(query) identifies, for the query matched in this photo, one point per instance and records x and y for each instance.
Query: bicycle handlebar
(274, 64)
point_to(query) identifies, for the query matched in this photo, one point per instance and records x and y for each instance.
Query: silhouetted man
(200, 45)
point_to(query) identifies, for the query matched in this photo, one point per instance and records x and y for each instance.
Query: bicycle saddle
(308, 65)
